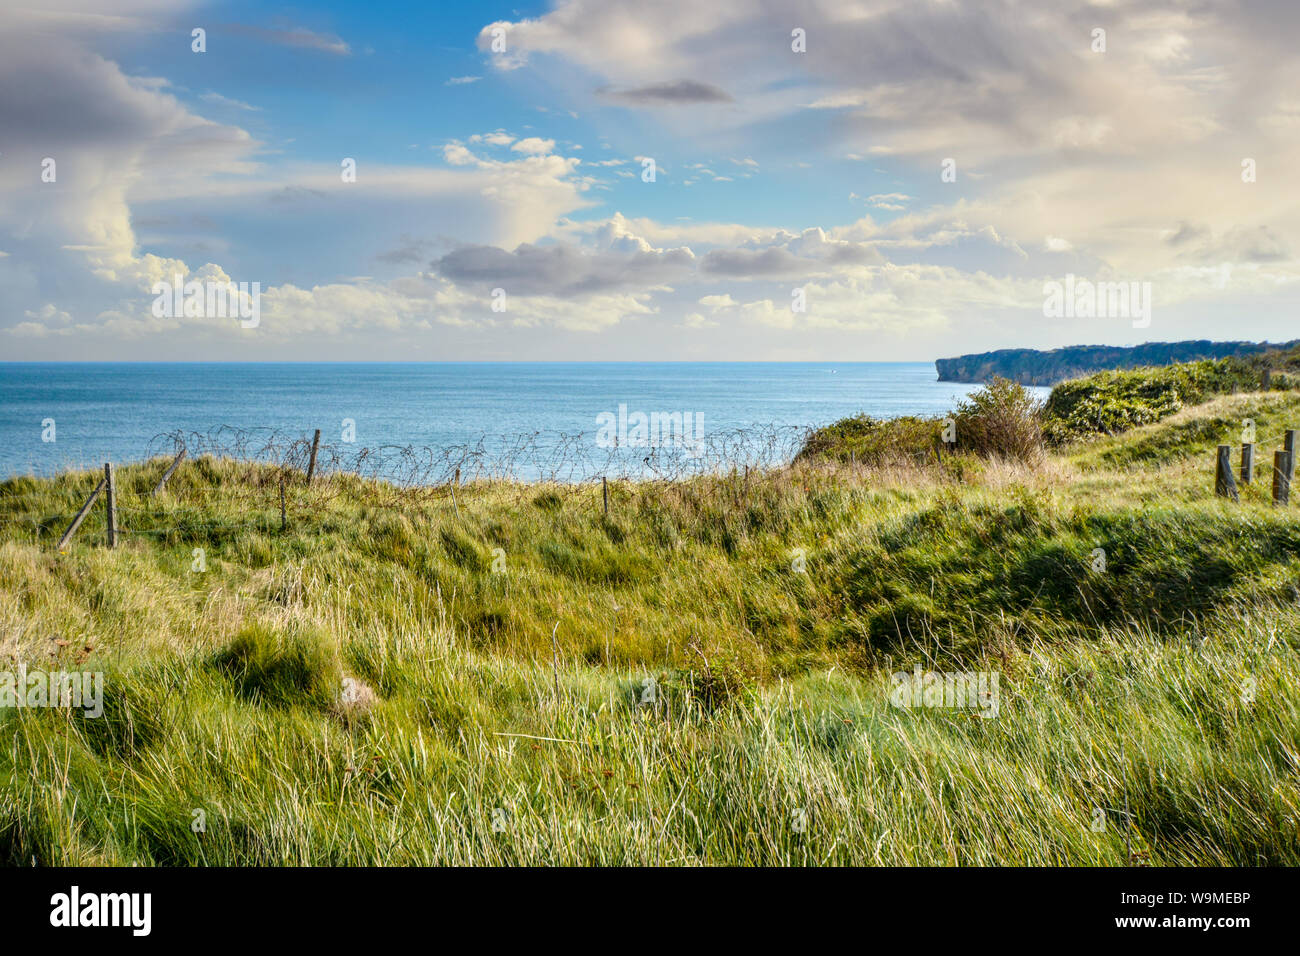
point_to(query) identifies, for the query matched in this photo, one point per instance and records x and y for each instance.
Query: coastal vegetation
(1003, 420)
(1035, 367)
(704, 675)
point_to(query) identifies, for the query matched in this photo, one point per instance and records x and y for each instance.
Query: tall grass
(702, 677)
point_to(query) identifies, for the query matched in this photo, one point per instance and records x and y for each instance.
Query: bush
(1001, 419)
(1111, 402)
(873, 441)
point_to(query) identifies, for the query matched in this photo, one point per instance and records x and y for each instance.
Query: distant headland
(1035, 367)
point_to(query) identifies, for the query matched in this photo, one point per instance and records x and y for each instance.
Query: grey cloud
(410, 250)
(45, 98)
(299, 37)
(676, 93)
(1187, 232)
(855, 254)
(1260, 244)
(194, 220)
(745, 263)
(562, 270)
(100, 126)
(107, 133)
(1240, 244)
(289, 194)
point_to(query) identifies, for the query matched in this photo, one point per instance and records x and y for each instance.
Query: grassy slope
(1117, 687)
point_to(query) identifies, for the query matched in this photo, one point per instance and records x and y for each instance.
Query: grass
(1108, 403)
(513, 721)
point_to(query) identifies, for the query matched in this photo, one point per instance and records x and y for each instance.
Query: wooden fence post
(604, 488)
(1224, 484)
(1247, 463)
(81, 516)
(311, 465)
(162, 483)
(1283, 468)
(454, 483)
(110, 496)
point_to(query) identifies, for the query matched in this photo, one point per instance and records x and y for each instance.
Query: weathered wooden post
(1224, 484)
(110, 496)
(454, 483)
(1288, 445)
(311, 465)
(1247, 463)
(1283, 469)
(81, 516)
(168, 473)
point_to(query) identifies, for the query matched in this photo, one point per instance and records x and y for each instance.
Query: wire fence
(541, 456)
(265, 475)
(269, 477)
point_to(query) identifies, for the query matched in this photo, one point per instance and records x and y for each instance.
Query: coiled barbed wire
(540, 456)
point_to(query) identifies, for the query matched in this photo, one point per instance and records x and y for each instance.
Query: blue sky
(780, 174)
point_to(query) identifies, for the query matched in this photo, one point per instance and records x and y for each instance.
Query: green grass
(1111, 402)
(1164, 683)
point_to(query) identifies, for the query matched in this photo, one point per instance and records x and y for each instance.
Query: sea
(527, 421)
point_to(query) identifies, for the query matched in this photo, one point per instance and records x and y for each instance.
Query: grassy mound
(702, 676)
(1002, 420)
(1112, 402)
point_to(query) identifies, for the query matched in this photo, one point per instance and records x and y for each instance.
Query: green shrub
(1111, 402)
(873, 441)
(1001, 419)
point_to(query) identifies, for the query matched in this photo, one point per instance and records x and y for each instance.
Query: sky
(851, 180)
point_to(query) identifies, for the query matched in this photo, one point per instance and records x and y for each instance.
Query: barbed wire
(274, 462)
(392, 475)
(1277, 439)
(539, 456)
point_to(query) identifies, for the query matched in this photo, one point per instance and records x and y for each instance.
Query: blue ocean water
(115, 411)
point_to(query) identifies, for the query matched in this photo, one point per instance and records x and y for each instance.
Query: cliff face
(1033, 367)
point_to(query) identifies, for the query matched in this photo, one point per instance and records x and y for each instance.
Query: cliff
(1034, 367)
